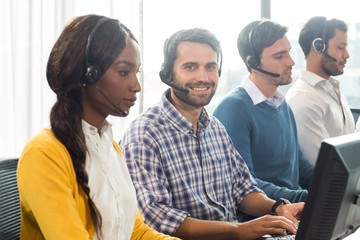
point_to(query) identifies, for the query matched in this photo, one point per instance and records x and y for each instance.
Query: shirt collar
(311, 78)
(90, 129)
(330, 85)
(177, 119)
(258, 97)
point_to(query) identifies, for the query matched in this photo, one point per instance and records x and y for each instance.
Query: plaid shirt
(177, 173)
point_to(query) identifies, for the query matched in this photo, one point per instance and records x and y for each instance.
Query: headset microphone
(172, 85)
(266, 72)
(319, 46)
(167, 79)
(253, 63)
(120, 111)
(325, 54)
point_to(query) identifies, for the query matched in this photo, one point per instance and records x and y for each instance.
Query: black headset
(166, 72)
(252, 60)
(319, 44)
(93, 71)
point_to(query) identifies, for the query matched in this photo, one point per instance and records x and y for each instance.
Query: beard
(284, 81)
(195, 100)
(281, 80)
(330, 67)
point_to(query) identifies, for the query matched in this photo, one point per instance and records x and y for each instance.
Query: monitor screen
(332, 208)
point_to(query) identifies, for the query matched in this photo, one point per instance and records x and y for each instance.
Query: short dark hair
(258, 35)
(319, 27)
(198, 35)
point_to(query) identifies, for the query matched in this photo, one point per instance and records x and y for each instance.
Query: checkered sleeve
(154, 197)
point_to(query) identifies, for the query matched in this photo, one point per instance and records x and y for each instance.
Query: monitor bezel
(323, 214)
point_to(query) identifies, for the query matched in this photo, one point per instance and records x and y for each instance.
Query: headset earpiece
(93, 71)
(165, 74)
(252, 60)
(319, 45)
(220, 63)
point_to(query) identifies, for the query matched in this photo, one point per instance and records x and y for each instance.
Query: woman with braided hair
(72, 177)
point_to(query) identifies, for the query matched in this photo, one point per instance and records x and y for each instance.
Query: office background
(30, 28)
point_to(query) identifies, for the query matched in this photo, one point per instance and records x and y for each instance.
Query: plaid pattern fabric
(177, 173)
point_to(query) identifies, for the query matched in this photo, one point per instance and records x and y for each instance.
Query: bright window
(29, 33)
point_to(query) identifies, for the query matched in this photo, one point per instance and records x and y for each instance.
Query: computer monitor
(332, 208)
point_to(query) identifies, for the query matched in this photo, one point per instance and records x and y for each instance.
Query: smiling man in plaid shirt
(189, 178)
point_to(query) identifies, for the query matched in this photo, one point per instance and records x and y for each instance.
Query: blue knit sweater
(267, 140)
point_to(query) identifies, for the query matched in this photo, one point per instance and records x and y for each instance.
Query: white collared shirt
(319, 112)
(258, 97)
(111, 188)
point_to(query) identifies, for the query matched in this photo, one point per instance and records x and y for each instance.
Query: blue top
(177, 173)
(266, 137)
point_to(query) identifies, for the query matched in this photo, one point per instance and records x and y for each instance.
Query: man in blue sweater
(259, 121)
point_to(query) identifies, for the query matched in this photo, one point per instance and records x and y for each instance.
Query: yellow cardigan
(53, 205)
